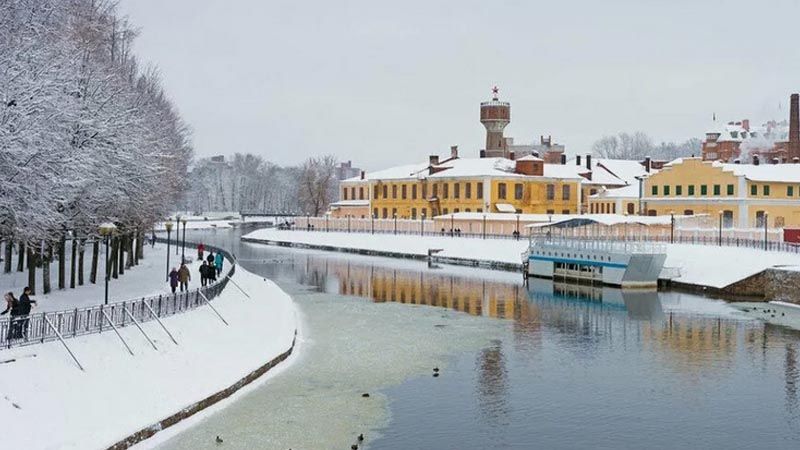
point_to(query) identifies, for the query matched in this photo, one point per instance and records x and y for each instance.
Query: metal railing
(36, 328)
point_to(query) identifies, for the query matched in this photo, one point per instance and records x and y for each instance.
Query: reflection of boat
(624, 264)
(640, 304)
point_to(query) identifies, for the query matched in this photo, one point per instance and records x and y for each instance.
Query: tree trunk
(121, 254)
(81, 250)
(62, 261)
(139, 247)
(21, 260)
(46, 258)
(72, 263)
(129, 248)
(9, 255)
(114, 259)
(31, 271)
(95, 255)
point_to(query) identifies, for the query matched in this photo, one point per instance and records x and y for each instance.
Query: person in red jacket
(200, 249)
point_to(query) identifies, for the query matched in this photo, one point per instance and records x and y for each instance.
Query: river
(549, 365)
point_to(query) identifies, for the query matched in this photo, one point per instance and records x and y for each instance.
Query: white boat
(615, 263)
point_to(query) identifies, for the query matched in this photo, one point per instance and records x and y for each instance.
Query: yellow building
(526, 185)
(743, 194)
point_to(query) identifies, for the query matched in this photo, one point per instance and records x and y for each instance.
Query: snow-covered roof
(505, 208)
(629, 191)
(351, 203)
(466, 167)
(610, 219)
(782, 173)
(393, 173)
(530, 158)
(612, 172)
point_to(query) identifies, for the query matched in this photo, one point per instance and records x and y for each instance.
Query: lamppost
(452, 226)
(348, 223)
(720, 228)
(106, 230)
(326, 222)
(183, 245)
(672, 227)
(168, 226)
(395, 222)
(765, 231)
(372, 225)
(517, 226)
(177, 233)
(484, 226)
(422, 224)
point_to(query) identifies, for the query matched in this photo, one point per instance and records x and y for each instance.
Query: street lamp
(452, 226)
(177, 233)
(326, 222)
(348, 223)
(372, 225)
(765, 230)
(517, 226)
(395, 222)
(422, 224)
(672, 227)
(720, 228)
(168, 226)
(484, 226)
(183, 245)
(106, 230)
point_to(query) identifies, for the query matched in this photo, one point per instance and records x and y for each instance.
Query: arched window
(631, 208)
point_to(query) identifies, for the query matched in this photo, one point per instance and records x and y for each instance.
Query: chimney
(363, 174)
(453, 152)
(433, 160)
(647, 164)
(755, 160)
(511, 155)
(746, 124)
(588, 161)
(536, 154)
(577, 160)
(794, 119)
(563, 159)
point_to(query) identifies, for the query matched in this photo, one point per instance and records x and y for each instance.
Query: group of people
(452, 232)
(209, 270)
(19, 308)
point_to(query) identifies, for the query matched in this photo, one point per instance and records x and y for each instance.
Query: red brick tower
(495, 115)
(793, 147)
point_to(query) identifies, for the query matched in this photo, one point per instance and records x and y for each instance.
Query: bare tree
(317, 183)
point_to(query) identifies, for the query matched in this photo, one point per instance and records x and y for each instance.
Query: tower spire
(495, 92)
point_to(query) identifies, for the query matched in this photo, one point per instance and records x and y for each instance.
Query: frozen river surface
(544, 366)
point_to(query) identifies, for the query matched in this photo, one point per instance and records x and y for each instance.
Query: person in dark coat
(210, 258)
(25, 305)
(12, 306)
(204, 274)
(173, 279)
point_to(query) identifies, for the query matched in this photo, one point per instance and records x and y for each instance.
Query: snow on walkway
(146, 279)
(698, 264)
(49, 403)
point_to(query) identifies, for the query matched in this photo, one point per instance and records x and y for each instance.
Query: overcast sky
(383, 83)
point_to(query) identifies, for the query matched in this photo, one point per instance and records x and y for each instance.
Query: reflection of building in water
(692, 343)
(492, 384)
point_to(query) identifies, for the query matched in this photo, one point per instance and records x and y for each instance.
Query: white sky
(383, 83)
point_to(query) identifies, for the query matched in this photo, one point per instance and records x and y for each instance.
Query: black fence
(42, 327)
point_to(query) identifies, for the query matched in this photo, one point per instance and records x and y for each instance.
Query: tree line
(638, 145)
(87, 136)
(248, 183)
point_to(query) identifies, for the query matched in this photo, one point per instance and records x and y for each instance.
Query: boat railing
(589, 244)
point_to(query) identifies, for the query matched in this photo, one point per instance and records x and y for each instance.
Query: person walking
(204, 273)
(210, 258)
(184, 277)
(218, 260)
(173, 279)
(12, 306)
(200, 249)
(25, 305)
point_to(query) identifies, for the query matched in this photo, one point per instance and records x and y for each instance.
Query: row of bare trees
(87, 136)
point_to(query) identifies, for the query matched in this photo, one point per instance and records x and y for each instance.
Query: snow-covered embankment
(700, 265)
(56, 405)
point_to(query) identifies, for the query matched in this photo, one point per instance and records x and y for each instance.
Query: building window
(385, 191)
(716, 189)
(766, 190)
(480, 210)
(479, 190)
(467, 210)
(501, 191)
(385, 213)
(759, 218)
(551, 191)
(445, 211)
(456, 190)
(691, 189)
(631, 208)
(414, 191)
(445, 190)
(455, 210)
(688, 212)
(654, 190)
(753, 190)
(424, 191)
(678, 189)
(468, 190)
(394, 212)
(435, 189)
(703, 189)
(666, 189)
(394, 191)
(564, 211)
(403, 191)
(789, 191)
(424, 212)
(375, 192)
(361, 193)
(565, 192)
(517, 191)
(413, 213)
(730, 189)
(375, 212)
(652, 212)
(551, 211)
(344, 191)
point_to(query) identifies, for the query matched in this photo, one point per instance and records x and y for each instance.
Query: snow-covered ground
(49, 403)
(146, 279)
(702, 265)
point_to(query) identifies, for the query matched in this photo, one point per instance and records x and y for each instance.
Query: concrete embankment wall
(768, 285)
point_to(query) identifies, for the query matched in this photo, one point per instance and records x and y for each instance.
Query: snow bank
(199, 225)
(698, 264)
(119, 394)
